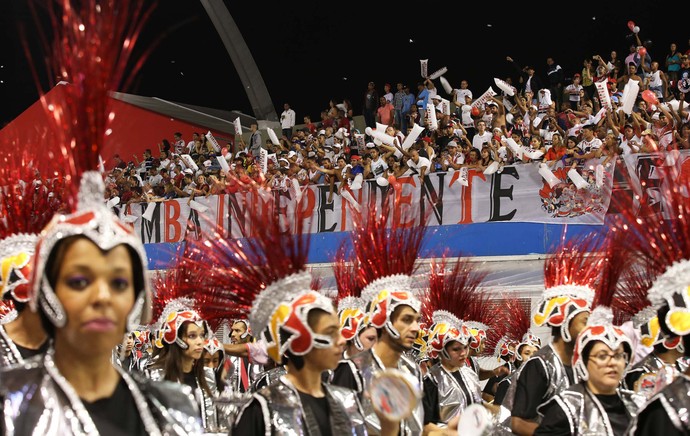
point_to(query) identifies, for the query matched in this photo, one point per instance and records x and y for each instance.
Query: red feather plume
(452, 289)
(227, 274)
(382, 251)
(572, 263)
(345, 273)
(656, 229)
(91, 49)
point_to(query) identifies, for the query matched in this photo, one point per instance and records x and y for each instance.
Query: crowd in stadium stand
(560, 118)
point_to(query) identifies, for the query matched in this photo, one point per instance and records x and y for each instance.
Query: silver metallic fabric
(675, 400)
(9, 354)
(204, 402)
(586, 415)
(268, 378)
(37, 400)
(364, 366)
(284, 414)
(451, 397)
(555, 373)
(234, 380)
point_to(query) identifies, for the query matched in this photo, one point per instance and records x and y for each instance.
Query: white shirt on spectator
(479, 140)
(378, 167)
(630, 146)
(587, 146)
(287, 119)
(155, 180)
(421, 163)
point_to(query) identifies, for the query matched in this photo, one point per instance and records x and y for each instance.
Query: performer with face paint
(89, 285)
(89, 279)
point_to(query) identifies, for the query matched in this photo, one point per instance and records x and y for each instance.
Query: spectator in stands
(555, 76)
(371, 103)
(287, 121)
(408, 102)
(398, 102)
(385, 114)
(311, 127)
(191, 144)
(557, 149)
(482, 136)
(255, 141)
(179, 144)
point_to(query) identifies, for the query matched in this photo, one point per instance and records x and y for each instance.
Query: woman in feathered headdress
(597, 404)
(570, 278)
(449, 386)
(88, 282)
(266, 276)
(179, 339)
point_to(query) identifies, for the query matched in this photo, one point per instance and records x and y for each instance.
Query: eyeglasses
(604, 358)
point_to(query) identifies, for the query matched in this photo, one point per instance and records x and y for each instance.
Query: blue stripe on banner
(478, 239)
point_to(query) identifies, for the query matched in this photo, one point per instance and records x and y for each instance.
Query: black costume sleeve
(654, 420)
(529, 392)
(343, 376)
(251, 420)
(430, 402)
(555, 422)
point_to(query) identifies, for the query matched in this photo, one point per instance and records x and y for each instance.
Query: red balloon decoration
(642, 51)
(631, 25)
(475, 111)
(650, 97)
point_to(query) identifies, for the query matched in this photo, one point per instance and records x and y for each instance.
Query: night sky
(309, 54)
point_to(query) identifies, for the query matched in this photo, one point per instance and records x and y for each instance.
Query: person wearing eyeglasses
(596, 405)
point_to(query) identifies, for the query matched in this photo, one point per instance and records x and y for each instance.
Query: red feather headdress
(351, 307)
(387, 260)
(571, 273)
(449, 292)
(263, 275)
(656, 232)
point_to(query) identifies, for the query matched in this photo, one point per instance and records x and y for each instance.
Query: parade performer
(387, 259)
(266, 275)
(89, 279)
(449, 386)
(597, 404)
(569, 280)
